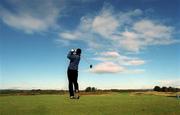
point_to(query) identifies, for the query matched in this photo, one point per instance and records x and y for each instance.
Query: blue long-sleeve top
(74, 61)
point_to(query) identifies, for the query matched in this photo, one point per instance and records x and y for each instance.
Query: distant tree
(93, 89)
(177, 89)
(170, 89)
(88, 89)
(157, 88)
(164, 89)
(174, 89)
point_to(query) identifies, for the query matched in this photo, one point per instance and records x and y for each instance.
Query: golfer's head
(78, 51)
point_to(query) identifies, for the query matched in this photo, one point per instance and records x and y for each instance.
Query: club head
(90, 66)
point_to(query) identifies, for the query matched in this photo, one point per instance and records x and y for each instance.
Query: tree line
(87, 89)
(90, 89)
(166, 89)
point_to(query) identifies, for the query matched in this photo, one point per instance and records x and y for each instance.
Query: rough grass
(169, 94)
(112, 104)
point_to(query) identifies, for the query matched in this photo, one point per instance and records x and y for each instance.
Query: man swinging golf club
(72, 72)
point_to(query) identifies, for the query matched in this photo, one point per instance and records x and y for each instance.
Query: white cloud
(137, 12)
(62, 42)
(112, 67)
(93, 44)
(112, 60)
(114, 32)
(70, 35)
(144, 33)
(126, 31)
(136, 62)
(135, 71)
(118, 58)
(129, 41)
(121, 30)
(167, 83)
(110, 54)
(41, 17)
(105, 24)
(85, 24)
(153, 33)
(151, 29)
(107, 67)
(108, 23)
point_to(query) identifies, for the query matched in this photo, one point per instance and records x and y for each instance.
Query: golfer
(72, 72)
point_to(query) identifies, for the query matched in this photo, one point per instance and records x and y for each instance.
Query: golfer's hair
(78, 51)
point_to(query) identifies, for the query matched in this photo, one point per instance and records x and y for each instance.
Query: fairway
(110, 104)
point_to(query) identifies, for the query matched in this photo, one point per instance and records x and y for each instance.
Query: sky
(131, 44)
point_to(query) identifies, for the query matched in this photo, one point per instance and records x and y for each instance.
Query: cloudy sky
(131, 44)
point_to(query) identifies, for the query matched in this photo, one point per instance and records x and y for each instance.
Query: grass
(111, 104)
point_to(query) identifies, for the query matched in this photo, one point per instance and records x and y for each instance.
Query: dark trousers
(72, 78)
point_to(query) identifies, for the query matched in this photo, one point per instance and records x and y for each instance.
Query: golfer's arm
(70, 56)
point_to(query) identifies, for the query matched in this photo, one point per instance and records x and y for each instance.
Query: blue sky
(131, 44)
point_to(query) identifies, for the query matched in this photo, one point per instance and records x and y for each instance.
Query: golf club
(74, 52)
(90, 65)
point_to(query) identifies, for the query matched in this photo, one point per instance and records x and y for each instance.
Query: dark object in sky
(90, 66)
